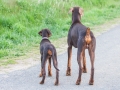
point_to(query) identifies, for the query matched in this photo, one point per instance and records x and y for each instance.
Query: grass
(20, 21)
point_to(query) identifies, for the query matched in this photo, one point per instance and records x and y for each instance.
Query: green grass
(6, 62)
(20, 21)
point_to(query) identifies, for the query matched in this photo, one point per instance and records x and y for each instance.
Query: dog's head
(77, 13)
(45, 33)
(77, 10)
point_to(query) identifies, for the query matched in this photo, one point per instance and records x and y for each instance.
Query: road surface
(107, 69)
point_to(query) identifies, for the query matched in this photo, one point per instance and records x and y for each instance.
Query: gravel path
(107, 70)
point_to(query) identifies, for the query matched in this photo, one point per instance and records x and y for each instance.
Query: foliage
(20, 20)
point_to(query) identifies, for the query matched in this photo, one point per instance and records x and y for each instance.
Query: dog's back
(47, 48)
(76, 32)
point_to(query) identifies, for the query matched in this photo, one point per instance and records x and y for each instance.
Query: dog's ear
(40, 32)
(71, 10)
(81, 11)
(49, 33)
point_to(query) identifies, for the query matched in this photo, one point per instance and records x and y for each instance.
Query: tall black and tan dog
(82, 38)
(47, 51)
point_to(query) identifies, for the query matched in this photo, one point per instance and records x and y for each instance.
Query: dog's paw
(42, 82)
(56, 83)
(84, 70)
(68, 73)
(78, 82)
(40, 75)
(91, 82)
(49, 74)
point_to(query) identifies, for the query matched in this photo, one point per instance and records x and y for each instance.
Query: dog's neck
(44, 38)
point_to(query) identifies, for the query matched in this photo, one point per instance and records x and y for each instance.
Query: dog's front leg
(68, 72)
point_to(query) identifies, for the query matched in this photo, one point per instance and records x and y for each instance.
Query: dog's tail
(87, 36)
(55, 61)
(54, 58)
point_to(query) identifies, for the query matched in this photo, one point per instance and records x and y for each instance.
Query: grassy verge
(20, 21)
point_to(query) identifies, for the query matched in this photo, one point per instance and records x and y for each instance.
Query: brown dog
(47, 51)
(82, 38)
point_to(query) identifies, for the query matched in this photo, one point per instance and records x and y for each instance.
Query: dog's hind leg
(91, 50)
(79, 58)
(92, 57)
(43, 68)
(49, 67)
(68, 72)
(84, 63)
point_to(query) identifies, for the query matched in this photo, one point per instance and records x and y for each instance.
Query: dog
(47, 51)
(80, 37)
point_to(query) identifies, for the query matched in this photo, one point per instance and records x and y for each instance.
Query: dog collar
(45, 38)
